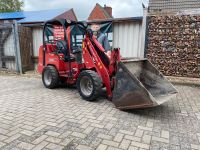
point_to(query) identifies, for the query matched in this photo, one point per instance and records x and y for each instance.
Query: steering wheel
(61, 46)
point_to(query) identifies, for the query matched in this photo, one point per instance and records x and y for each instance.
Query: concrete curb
(184, 80)
(29, 74)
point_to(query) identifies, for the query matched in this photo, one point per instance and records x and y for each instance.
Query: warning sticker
(58, 32)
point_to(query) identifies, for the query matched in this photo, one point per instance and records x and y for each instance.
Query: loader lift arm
(96, 58)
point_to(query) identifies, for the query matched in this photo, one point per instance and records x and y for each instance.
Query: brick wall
(174, 44)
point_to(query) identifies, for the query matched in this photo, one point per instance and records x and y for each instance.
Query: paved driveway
(32, 117)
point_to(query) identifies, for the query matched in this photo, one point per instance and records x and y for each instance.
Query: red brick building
(101, 13)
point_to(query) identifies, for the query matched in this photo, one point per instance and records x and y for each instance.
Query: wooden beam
(8, 58)
(35, 59)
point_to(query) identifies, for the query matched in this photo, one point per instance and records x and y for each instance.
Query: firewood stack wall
(174, 44)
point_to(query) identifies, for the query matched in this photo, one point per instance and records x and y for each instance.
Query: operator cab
(59, 37)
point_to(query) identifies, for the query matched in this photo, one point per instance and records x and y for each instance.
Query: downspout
(144, 33)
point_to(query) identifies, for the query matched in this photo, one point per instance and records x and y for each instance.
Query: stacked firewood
(174, 44)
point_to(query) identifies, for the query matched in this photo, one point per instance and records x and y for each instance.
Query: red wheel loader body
(129, 84)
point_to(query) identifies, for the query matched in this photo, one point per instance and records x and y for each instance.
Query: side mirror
(89, 33)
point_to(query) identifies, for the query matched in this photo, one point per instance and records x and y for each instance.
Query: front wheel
(50, 77)
(89, 85)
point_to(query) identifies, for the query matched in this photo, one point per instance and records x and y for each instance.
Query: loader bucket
(139, 84)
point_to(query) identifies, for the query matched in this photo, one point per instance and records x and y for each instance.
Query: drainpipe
(144, 32)
(17, 49)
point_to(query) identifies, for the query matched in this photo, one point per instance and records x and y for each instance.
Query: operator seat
(62, 47)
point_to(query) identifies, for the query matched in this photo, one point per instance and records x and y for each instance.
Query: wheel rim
(47, 77)
(86, 86)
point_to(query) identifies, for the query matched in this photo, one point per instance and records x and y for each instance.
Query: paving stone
(97, 125)
(78, 134)
(83, 120)
(196, 147)
(104, 136)
(146, 139)
(51, 124)
(53, 139)
(140, 145)
(83, 147)
(111, 118)
(65, 134)
(27, 132)
(88, 130)
(165, 134)
(12, 138)
(133, 148)
(41, 145)
(125, 144)
(14, 132)
(110, 143)
(175, 147)
(199, 139)
(3, 137)
(39, 128)
(101, 117)
(139, 133)
(39, 139)
(160, 139)
(132, 138)
(126, 132)
(5, 126)
(26, 146)
(2, 144)
(65, 141)
(118, 137)
(15, 148)
(149, 124)
(27, 127)
(52, 133)
(53, 146)
(102, 147)
(109, 126)
(145, 128)
(94, 121)
(113, 148)
(85, 125)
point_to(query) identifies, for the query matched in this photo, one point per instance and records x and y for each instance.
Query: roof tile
(39, 16)
(99, 13)
(173, 5)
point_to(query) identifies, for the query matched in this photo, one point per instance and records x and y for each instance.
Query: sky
(82, 8)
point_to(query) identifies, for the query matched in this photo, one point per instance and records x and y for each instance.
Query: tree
(11, 5)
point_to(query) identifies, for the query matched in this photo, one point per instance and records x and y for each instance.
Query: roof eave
(139, 18)
(11, 18)
(32, 24)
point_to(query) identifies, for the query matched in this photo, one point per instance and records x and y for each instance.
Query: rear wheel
(89, 85)
(50, 77)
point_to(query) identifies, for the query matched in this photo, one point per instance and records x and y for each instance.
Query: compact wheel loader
(129, 83)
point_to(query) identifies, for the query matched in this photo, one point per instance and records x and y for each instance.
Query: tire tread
(97, 84)
(55, 77)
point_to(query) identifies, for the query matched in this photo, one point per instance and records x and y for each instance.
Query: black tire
(50, 77)
(94, 81)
